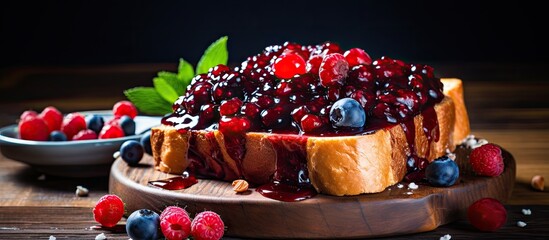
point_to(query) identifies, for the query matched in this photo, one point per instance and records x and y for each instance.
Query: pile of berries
(293, 88)
(51, 125)
(174, 223)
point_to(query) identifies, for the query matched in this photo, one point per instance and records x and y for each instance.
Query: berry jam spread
(290, 89)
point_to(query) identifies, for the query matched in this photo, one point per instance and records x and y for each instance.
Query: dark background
(76, 45)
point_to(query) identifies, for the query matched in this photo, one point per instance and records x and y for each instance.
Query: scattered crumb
(116, 154)
(100, 236)
(82, 191)
(538, 183)
(400, 186)
(409, 193)
(413, 186)
(526, 212)
(521, 224)
(41, 177)
(52, 237)
(446, 237)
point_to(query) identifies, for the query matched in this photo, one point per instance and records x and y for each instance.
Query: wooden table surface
(510, 109)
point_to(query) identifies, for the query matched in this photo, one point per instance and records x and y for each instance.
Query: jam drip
(290, 181)
(176, 183)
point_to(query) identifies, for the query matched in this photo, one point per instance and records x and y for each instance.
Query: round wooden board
(394, 211)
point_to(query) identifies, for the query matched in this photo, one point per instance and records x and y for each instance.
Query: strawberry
(487, 160)
(487, 214)
(108, 210)
(207, 225)
(175, 223)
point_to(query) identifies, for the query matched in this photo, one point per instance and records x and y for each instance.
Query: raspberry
(33, 128)
(175, 223)
(85, 134)
(111, 131)
(207, 225)
(487, 214)
(122, 108)
(289, 65)
(28, 113)
(72, 124)
(52, 117)
(486, 160)
(357, 56)
(333, 69)
(108, 210)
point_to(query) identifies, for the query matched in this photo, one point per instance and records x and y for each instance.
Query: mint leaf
(165, 90)
(215, 54)
(148, 101)
(173, 80)
(185, 71)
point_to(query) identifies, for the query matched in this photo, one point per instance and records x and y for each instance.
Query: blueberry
(146, 142)
(131, 152)
(347, 112)
(95, 122)
(57, 136)
(443, 172)
(143, 224)
(128, 125)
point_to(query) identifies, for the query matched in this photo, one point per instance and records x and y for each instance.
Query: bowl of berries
(77, 144)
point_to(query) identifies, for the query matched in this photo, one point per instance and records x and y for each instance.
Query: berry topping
(230, 107)
(207, 225)
(357, 56)
(487, 160)
(95, 122)
(146, 142)
(443, 172)
(311, 123)
(175, 223)
(127, 124)
(122, 108)
(111, 131)
(52, 117)
(289, 65)
(347, 112)
(131, 152)
(143, 224)
(313, 64)
(72, 124)
(33, 128)
(487, 214)
(85, 134)
(57, 136)
(108, 210)
(333, 70)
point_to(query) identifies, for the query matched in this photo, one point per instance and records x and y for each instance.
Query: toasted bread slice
(346, 165)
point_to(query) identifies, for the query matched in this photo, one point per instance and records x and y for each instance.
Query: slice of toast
(343, 165)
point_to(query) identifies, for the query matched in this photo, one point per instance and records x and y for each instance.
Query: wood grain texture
(395, 211)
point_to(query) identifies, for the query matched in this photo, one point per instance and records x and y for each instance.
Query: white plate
(86, 158)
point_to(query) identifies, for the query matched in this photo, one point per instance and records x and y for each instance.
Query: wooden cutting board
(394, 211)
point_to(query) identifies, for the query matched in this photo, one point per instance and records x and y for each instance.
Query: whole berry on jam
(347, 112)
(313, 64)
(72, 124)
(57, 136)
(234, 125)
(127, 124)
(175, 223)
(288, 65)
(442, 172)
(146, 142)
(33, 128)
(207, 225)
(131, 152)
(85, 134)
(108, 210)
(111, 131)
(357, 56)
(230, 107)
(333, 70)
(122, 108)
(487, 214)
(52, 117)
(311, 123)
(487, 160)
(143, 224)
(95, 122)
